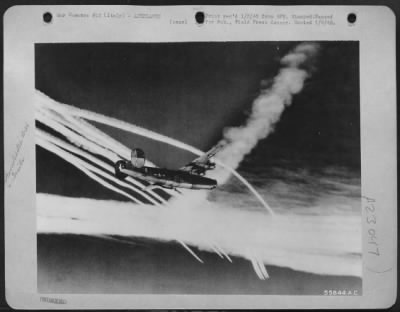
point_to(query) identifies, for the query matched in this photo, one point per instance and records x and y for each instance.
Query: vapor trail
(190, 251)
(50, 118)
(64, 109)
(267, 108)
(56, 122)
(81, 166)
(116, 123)
(216, 251)
(63, 124)
(224, 253)
(320, 244)
(101, 138)
(218, 173)
(257, 269)
(70, 148)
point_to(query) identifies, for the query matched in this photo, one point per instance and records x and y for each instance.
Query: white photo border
(375, 31)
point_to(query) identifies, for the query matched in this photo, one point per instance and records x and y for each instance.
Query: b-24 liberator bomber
(190, 176)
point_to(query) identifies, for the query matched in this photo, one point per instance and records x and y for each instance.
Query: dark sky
(191, 91)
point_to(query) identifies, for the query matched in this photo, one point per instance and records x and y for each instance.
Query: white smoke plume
(267, 108)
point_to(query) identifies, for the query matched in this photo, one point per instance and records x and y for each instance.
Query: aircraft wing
(203, 163)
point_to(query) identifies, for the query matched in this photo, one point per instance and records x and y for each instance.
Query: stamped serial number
(371, 225)
(340, 292)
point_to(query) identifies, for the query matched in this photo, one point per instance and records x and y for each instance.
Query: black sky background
(192, 91)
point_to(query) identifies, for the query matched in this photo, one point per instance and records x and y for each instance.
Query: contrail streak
(113, 122)
(81, 141)
(101, 138)
(49, 118)
(116, 123)
(53, 140)
(320, 244)
(262, 268)
(217, 251)
(94, 138)
(223, 253)
(74, 161)
(190, 251)
(59, 123)
(256, 268)
(217, 176)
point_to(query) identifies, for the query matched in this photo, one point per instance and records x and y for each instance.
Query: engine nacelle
(138, 158)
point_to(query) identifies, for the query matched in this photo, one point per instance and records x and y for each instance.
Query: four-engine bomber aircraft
(189, 176)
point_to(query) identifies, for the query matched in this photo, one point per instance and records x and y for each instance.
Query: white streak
(53, 140)
(217, 175)
(68, 109)
(257, 268)
(191, 251)
(263, 269)
(74, 161)
(50, 119)
(113, 122)
(216, 251)
(329, 245)
(224, 253)
(60, 123)
(101, 138)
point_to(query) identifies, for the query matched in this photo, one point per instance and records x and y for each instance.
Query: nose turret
(120, 164)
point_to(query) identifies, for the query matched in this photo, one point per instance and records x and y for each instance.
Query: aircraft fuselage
(165, 177)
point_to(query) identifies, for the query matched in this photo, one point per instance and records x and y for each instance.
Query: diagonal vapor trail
(60, 124)
(82, 166)
(46, 101)
(51, 140)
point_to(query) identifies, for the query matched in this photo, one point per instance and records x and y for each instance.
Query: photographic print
(198, 168)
